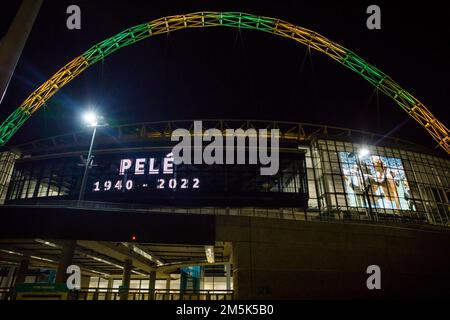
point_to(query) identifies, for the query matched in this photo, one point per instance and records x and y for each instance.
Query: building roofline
(135, 132)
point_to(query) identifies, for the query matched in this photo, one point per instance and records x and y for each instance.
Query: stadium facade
(309, 231)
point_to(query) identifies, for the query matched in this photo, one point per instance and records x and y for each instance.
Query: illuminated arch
(235, 20)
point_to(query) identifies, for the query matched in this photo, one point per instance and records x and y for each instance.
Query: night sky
(227, 73)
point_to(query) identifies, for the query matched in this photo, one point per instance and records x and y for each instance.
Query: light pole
(69, 246)
(362, 154)
(92, 120)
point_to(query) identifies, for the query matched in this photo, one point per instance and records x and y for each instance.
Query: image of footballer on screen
(384, 176)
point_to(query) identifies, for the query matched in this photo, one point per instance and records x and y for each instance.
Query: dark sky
(226, 73)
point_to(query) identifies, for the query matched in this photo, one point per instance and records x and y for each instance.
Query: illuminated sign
(147, 166)
(384, 177)
(132, 173)
(151, 176)
(154, 177)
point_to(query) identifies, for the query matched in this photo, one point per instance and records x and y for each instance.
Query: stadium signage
(151, 166)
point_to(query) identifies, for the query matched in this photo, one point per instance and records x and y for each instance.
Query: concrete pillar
(110, 288)
(14, 41)
(243, 270)
(126, 278)
(22, 271)
(65, 260)
(202, 279)
(167, 293)
(151, 285)
(228, 275)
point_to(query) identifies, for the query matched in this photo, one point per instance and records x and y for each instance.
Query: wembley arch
(415, 109)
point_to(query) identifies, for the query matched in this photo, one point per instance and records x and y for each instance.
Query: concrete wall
(276, 259)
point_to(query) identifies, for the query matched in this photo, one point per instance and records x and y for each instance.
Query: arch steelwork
(377, 78)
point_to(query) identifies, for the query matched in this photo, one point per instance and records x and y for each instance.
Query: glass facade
(388, 184)
(152, 177)
(46, 178)
(7, 160)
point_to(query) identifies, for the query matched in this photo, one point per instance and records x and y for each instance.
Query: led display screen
(384, 179)
(151, 177)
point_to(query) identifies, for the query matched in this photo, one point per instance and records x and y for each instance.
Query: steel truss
(162, 131)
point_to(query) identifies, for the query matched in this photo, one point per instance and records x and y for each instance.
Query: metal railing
(279, 213)
(116, 294)
(337, 215)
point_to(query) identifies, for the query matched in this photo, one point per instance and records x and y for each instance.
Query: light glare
(364, 152)
(91, 118)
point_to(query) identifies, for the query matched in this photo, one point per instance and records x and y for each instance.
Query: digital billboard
(384, 179)
(154, 177)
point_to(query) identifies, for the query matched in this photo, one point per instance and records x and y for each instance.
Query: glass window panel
(93, 282)
(341, 201)
(160, 284)
(103, 284)
(329, 183)
(335, 167)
